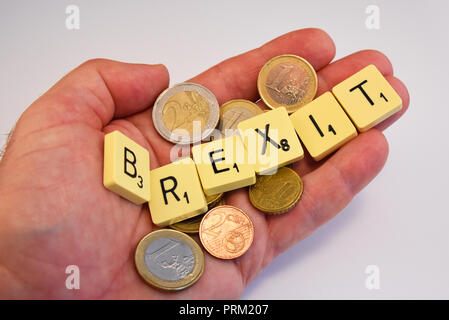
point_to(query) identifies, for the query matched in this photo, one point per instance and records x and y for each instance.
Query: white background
(399, 222)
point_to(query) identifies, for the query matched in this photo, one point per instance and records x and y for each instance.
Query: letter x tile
(270, 140)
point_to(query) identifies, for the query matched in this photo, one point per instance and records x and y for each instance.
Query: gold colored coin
(226, 232)
(213, 200)
(276, 193)
(169, 259)
(222, 202)
(235, 111)
(192, 225)
(287, 81)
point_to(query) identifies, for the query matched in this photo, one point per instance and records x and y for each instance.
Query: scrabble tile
(323, 126)
(367, 98)
(126, 168)
(176, 193)
(223, 165)
(270, 140)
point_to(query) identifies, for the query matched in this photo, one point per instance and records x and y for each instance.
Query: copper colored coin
(226, 232)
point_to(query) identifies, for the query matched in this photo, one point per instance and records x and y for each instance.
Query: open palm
(55, 212)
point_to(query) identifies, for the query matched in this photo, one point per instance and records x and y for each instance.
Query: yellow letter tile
(176, 193)
(223, 165)
(367, 98)
(126, 168)
(323, 126)
(270, 140)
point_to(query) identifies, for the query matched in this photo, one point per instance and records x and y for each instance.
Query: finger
(237, 76)
(95, 93)
(329, 188)
(340, 70)
(343, 68)
(401, 89)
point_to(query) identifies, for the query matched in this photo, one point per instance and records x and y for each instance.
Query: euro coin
(226, 232)
(186, 113)
(235, 111)
(222, 202)
(192, 225)
(213, 200)
(276, 193)
(287, 81)
(169, 259)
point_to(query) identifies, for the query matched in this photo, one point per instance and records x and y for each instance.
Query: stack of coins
(171, 260)
(192, 225)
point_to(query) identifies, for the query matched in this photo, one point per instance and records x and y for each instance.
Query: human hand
(55, 211)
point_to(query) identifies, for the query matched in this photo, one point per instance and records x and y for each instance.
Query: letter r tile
(126, 168)
(367, 98)
(176, 193)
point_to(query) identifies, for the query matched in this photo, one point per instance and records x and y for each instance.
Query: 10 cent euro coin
(276, 193)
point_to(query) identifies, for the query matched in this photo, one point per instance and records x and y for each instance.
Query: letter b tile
(126, 168)
(367, 98)
(176, 193)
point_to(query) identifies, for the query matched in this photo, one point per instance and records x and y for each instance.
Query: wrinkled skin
(55, 212)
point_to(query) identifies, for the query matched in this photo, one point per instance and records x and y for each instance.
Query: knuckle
(378, 56)
(92, 62)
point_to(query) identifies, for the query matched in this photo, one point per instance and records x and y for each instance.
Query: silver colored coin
(176, 115)
(169, 259)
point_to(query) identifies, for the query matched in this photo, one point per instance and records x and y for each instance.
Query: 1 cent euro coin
(186, 113)
(169, 259)
(287, 81)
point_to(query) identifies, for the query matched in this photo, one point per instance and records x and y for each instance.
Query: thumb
(94, 93)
